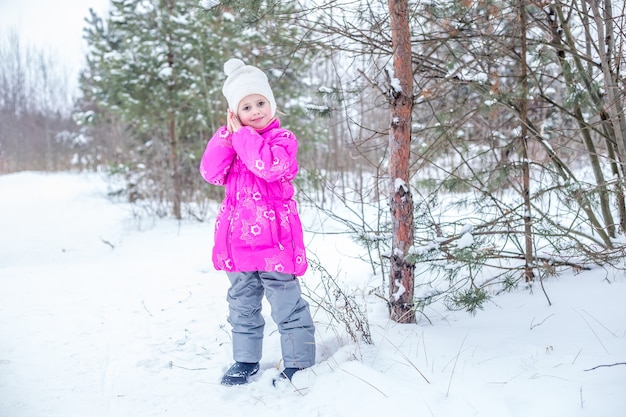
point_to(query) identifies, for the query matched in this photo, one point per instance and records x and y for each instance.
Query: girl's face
(254, 111)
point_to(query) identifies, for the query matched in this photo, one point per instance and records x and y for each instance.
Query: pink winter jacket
(257, 227)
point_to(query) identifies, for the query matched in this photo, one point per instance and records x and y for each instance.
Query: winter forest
(517, 127)
(470, 148)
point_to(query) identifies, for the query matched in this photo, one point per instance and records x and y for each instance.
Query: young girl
(258, 233)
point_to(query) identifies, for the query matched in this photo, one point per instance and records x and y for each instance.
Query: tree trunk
(401, 275)
(614, 105)
(556, 16)
(173, 138)
(528, 233)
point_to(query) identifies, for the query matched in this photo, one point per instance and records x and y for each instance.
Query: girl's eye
(261, 103)
(245, 108)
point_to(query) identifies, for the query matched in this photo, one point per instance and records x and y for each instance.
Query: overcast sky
(54, 25)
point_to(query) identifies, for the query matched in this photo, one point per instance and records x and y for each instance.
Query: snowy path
(101, 318)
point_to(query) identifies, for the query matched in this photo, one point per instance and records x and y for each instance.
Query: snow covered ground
(105, 314)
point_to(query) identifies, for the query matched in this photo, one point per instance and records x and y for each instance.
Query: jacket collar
(273, 124)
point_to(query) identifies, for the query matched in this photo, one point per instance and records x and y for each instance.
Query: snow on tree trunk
(401, 276)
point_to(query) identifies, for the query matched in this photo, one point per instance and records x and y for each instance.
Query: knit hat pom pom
(232, 65)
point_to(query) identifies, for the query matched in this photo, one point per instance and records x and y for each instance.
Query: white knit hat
(243, 80)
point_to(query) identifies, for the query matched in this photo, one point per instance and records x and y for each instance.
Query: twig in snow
(605, 366)
(406, 358)
(600, 323)
(454, 366)
(544, 289)
(593, 331)
(106, 242)
(187, 369)
(358, 377)
(582, 402)
(143, 303)
(532, 326)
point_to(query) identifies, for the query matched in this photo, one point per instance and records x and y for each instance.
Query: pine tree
(148, 64)
(157, 65)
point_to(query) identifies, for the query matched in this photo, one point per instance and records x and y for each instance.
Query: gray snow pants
(289, 311)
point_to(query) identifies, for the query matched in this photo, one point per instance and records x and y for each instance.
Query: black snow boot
(287, 373)
(239, 373)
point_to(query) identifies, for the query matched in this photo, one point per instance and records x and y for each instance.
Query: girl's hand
(233, 123)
